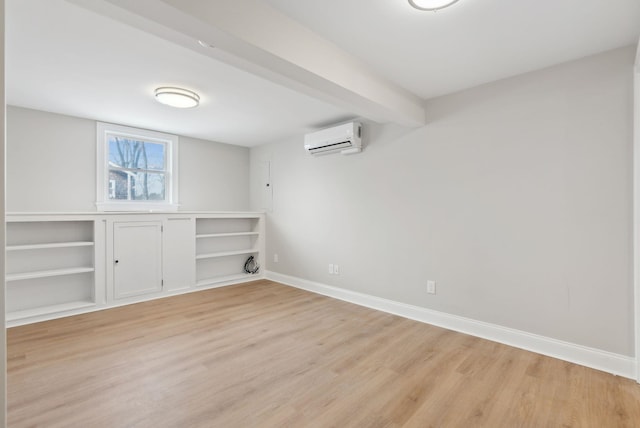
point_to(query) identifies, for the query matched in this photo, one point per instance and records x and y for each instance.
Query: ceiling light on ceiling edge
(177, 97)
(431, 5)
(205, 44)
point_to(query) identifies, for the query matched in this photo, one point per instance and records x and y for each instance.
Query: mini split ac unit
(345, 139)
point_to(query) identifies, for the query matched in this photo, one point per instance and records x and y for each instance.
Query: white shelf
(47, 273)
(226, 254)
(219, 279)
(44, 310)
(222, 235)
(53, 245)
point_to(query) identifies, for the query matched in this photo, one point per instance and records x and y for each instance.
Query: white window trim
(103, 203)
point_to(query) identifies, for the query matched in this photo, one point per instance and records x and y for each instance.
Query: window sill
(136, 206)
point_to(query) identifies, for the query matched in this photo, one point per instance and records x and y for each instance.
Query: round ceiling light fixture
(177, 97)
(431, 5)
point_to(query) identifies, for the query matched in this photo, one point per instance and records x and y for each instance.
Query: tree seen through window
(137, 169)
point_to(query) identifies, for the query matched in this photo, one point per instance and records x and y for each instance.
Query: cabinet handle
(116, 261)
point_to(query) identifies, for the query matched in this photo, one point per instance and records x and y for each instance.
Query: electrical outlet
(336, 270)
(330, 268)
(431, 287)
(275, 258)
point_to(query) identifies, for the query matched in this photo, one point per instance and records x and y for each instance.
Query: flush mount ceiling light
(177, 97)
(431, 5)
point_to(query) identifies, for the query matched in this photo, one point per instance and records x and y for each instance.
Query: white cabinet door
(179, 261)
(137, 261)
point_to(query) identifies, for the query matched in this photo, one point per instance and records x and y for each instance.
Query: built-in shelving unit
(50, 267)
(61, 264)
(223, 246)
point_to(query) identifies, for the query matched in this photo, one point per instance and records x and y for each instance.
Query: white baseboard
(616, 364)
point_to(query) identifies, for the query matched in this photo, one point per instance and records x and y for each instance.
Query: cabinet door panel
(137, 264)
(179, 253)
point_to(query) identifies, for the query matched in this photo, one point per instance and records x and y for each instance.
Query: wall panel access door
(137, 262)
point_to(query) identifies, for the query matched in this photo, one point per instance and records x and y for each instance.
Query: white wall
(213, 176)
(516, 198)
(51, 166)
(3, 332)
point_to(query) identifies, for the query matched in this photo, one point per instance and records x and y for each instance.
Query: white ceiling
(470, 43)
(373, 58)
(66, 59)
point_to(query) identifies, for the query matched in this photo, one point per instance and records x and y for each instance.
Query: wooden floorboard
(266, 355)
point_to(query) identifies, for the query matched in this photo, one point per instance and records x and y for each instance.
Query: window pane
(135, 154)
(136, 186)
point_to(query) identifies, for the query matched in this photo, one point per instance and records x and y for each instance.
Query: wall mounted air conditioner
(345, 139)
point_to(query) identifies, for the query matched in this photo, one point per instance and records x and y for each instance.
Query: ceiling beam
(257, 38)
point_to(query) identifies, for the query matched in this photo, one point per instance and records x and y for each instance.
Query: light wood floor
(266, 355)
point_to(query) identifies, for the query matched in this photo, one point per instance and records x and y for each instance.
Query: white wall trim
(171, 144)
(636, 206)
(616, 364)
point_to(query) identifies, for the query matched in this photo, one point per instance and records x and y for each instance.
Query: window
(137, 169)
